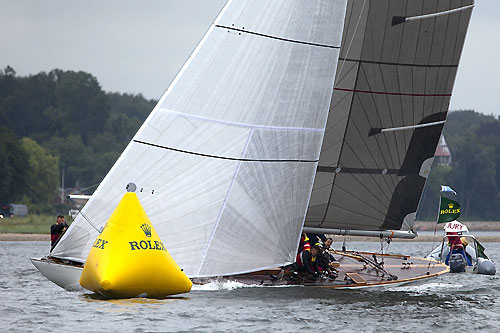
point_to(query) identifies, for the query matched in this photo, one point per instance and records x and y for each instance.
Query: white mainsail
(397, 67)
(225, 163)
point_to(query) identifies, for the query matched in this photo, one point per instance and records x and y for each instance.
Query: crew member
(326, 260)
(307, 262)
(316, 239)
(456, 246)
(304, 243)
(56, 230)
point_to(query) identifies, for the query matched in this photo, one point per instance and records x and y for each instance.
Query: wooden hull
(354, 270)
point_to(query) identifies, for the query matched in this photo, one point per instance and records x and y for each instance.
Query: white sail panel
(255, 80)
(306, 21)
(230, 151)
(262, 218)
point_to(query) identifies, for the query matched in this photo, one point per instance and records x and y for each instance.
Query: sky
(139, 46)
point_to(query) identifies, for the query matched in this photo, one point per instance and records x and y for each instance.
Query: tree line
(63, 120)
(474, 141)
(60, 120)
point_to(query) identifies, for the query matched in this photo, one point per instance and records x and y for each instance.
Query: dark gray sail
(393, 85)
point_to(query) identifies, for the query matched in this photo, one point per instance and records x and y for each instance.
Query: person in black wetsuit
(306, 262)
(56, 230)
(316, 239)
(326, 259)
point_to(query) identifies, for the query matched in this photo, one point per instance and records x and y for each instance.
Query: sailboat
(290, 115)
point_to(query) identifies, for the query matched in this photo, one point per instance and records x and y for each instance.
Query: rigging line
(237, 124)
(224, 157)
(341, 76)
(434, 83)
(414, 71)
(350, 106)
(83, 215)
(392, 93)
(84, 189)
(276, 37)
(391, 114)
(402, 19)
(212, 235)
(377, 113)
(376, 160)
(401, 41)
(353, 34)
(456, 40)
(341, 149)
(379, 144)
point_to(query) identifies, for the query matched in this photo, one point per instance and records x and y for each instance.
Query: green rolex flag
(449, 210)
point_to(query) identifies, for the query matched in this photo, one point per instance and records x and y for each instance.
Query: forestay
(224, 164)
(397, 67)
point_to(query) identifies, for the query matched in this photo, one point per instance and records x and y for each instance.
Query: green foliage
(42, 177)
(73, 125)
(474, 142)
(13, 167)
(32, 224)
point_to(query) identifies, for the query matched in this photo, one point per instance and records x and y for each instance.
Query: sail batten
(275, 37)
(224, 157)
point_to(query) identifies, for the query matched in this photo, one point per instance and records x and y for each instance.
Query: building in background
(443, 154)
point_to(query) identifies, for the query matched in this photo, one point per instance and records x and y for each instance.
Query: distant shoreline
(16, 237)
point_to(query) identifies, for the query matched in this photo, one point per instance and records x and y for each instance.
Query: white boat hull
(65, 276)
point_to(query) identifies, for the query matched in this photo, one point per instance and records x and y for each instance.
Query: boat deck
(353, 270)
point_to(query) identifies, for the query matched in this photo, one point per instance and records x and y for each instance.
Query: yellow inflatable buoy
(128, 259)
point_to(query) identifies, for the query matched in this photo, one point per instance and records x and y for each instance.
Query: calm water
(29, 302)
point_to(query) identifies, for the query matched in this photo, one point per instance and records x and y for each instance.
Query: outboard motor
(485, 266)
(457, 263)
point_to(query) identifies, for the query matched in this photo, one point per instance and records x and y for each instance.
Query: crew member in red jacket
(306, 262)
(456, 246)
(56, 230)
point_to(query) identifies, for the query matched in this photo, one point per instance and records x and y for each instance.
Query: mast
(225, 163)
(397, 68)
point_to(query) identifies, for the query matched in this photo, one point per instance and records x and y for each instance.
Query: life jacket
(55, 233)
(454, 240)
(304, 245)
(300, 261)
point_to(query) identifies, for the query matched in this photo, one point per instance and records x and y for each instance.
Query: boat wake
(428, 287)
(217, 285)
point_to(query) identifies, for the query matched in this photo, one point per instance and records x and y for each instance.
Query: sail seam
(237, 124)
(277, 38)
(353, 35)
(341, 149)
(224, 203)
(225, 157)
(392, 93)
